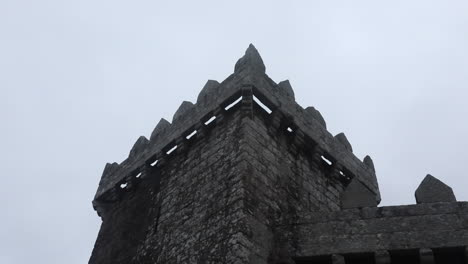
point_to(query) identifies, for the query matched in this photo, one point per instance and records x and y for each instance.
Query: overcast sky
(80, 81)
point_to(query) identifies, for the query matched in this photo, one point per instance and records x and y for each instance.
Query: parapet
(248, 82)
(436, 221)
(375, 229)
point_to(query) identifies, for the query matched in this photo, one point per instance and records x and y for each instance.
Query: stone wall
(201, 218)
(284, 179)
(249, 76)
(246, 176)
(192, 213)
(393, 229)
(219, 197)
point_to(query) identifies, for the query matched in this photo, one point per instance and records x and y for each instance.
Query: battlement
(372, 231)
(246, 86)
(246, 175)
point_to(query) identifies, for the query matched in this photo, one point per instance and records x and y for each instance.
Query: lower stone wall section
(435, 225)
(247, 193)
(281, 182)
(191, 210)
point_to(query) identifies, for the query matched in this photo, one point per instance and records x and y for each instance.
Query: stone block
(110, 168)
(287, 89)
(357, 195)
(250, 61)
(162, 126)
(369, 163)
(138, 147)
(185, 107)
(341, 137)
(314, 113)
(209, 91)
(432, 190)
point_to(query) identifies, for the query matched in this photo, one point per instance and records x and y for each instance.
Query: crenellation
(369, 163)
(184, 108)
(160, 135)
(251, 61)
(341, 137)
(286, 88)
(162, 126)
(140, 145)
(246, 175)
(110, 168)
(316, 115)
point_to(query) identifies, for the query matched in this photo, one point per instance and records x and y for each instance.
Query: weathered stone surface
(208, 163)
(139, 146)
(244, 191)
(193, 212)
(287, 89)
(314, 113)
(208, 92)
(357, 195)
(268, 91)
(162, 125)
(110, 168)
(251, 61)
(372, 229)
(369, 163)
(432, 190)
(185, 107)
(341, 137)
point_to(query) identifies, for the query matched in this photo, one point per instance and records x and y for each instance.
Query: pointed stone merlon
(185, 107)
(287, 90)
(162, 126)
(106, 177)
(208, 93)
(138, 147)
(110, 168)
(341, 137)
(251, 61)
(369, 163)
(315, 114)
(432, 190)
(357, 195)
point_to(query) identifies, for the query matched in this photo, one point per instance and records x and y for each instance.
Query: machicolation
(246, 175)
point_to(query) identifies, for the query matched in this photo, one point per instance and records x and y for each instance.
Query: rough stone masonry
(246, 175)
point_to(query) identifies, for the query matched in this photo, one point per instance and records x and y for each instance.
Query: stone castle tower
(246, 175)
